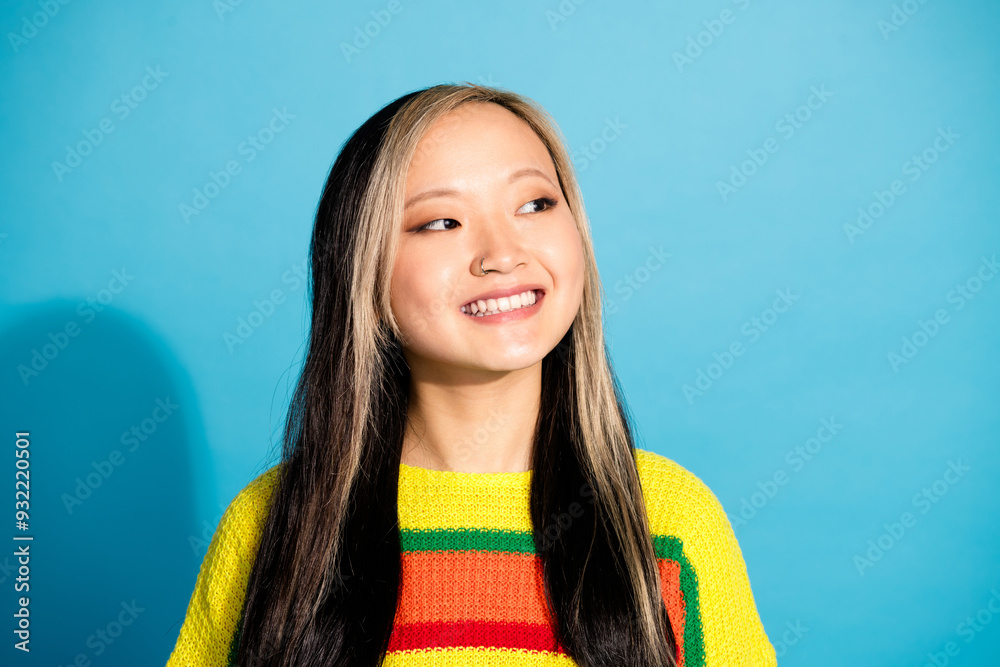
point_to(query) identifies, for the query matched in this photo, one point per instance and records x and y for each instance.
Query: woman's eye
(434, 222)
(547, 201)
(544, 202)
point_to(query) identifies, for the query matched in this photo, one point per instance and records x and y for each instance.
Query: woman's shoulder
(250, 506)
(677, 501)
(236, 536)
(689, 525)
(214, 609)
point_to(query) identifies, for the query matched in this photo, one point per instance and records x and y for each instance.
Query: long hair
(324, 585)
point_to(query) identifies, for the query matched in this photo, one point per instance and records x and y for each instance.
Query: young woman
(459, 484)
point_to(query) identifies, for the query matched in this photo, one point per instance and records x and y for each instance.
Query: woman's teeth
(482, 308)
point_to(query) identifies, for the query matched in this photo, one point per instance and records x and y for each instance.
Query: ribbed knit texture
(472, 592)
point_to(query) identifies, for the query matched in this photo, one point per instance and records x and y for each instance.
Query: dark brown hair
(325, 582)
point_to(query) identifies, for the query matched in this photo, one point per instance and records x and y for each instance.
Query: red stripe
(493, 634)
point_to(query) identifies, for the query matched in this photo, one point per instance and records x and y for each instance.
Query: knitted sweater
(471, 586)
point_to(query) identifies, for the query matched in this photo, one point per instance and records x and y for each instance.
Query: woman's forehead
(484, 137)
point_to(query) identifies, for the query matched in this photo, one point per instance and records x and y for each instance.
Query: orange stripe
(670, 588)
(476, 657)
(445, 586)
(470, 582)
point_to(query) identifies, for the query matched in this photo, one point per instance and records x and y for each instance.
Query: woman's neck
(473, 427)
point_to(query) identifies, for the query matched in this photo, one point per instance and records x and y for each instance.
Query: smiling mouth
(506, 304)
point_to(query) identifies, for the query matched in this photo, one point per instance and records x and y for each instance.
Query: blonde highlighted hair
(319, 574)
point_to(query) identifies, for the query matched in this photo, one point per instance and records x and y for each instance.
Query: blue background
(681, 127)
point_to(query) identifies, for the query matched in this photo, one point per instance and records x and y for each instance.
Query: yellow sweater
(471, 587)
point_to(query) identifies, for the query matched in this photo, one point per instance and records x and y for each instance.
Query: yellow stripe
(679, 503)
(430, 499)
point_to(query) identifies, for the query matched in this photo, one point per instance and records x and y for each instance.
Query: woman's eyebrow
(529, 171)
(448, 192)
(430, 194)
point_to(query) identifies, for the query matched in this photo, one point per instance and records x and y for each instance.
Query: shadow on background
(112, 432)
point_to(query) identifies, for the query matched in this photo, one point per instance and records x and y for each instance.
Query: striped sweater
(471, 586)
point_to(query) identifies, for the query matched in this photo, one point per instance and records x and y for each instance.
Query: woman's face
(482, 185)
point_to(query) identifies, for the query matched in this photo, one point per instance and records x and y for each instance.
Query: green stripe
(671, 548)
(666, 547)
(466, 539)
(234, 644)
